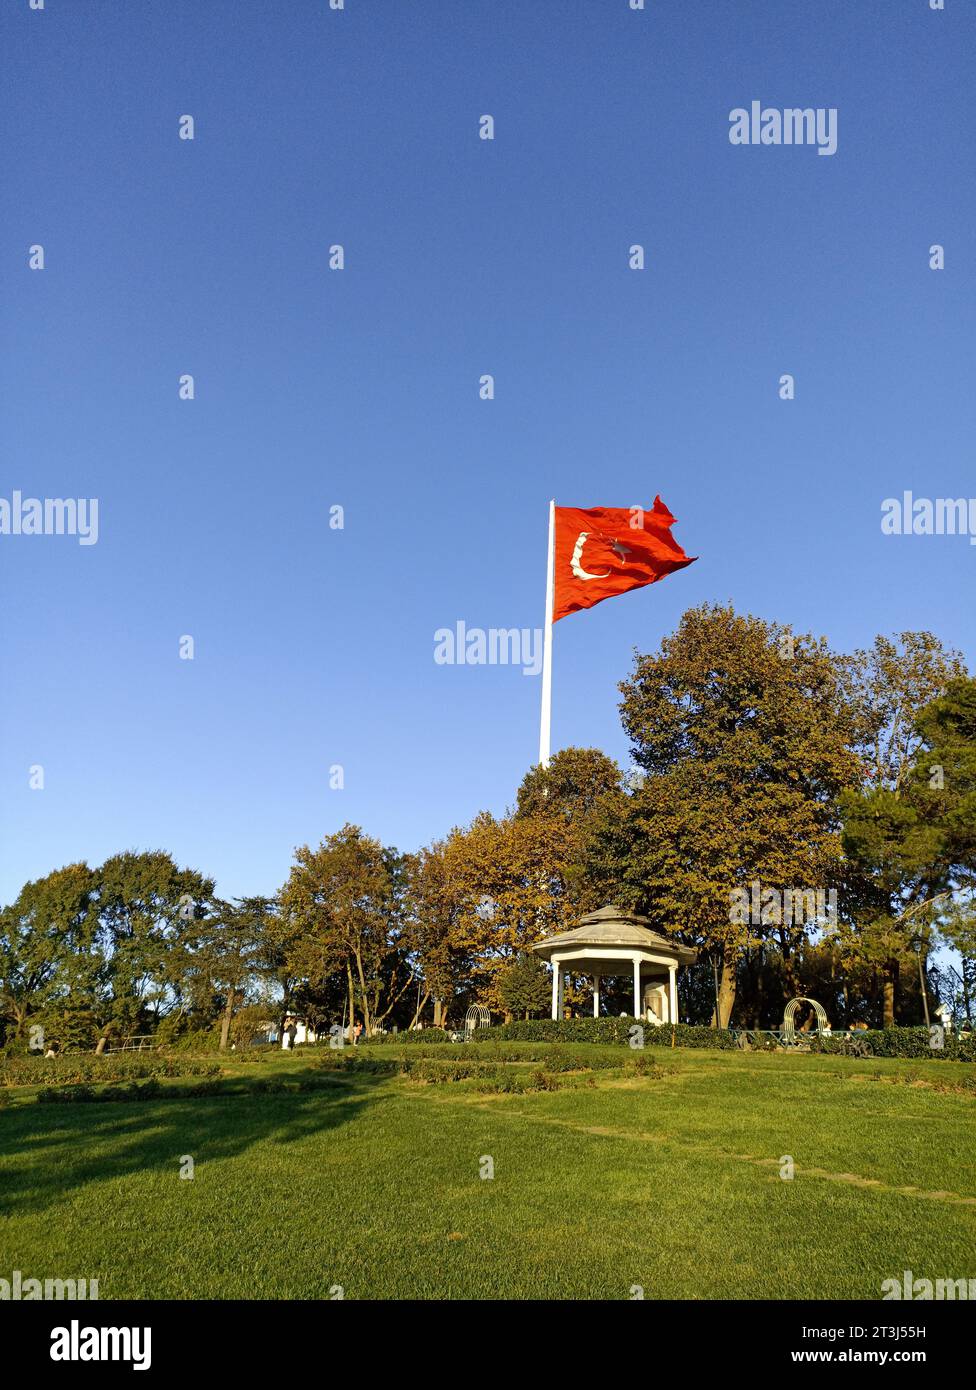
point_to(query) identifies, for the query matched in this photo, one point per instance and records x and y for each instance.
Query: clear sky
(360, 387)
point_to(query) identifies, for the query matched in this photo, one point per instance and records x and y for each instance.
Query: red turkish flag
(602, 551)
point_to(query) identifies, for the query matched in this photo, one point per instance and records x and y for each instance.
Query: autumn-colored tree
(574, 787)
(506, 884)
(740, 730)
(436, 904)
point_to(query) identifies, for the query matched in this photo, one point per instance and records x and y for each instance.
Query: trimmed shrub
(604, 1030)
(409, 1035)
(350, 1059)
(904, 1042)
(437, 1072)
(77, 1068)
(223, 1088)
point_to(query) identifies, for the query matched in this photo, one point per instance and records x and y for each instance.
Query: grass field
(668, 1180)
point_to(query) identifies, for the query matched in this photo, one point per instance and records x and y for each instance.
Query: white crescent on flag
(575, 564)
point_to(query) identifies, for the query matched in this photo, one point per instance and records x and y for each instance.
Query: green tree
(524, 986)
(146, 907)
(905, 837)
(223, 951)
(945, 774)
(49, 957)
(346, 897)
(958, 931)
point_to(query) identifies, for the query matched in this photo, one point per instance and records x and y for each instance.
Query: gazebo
(613, 942)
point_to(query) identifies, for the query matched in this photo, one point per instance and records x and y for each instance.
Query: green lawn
(669, 1181)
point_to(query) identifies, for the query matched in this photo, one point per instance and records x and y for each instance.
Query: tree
(524, 986)
(740, 729)
(510, 883)
(946, 782)
(958, 931)
(346, 897)
(574, 787)
(223, 951)
(573, 799)
(905, 831)
(48, 949)
(885, 687)
(945, 774)
(277, 960)
(146, 907)
(434, 936)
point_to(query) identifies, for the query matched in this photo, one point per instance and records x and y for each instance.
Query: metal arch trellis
(789, 1018)
(476, 1017)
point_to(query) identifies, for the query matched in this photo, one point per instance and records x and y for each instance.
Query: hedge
(905, 1042)
(911, 1043)
(223, 1088)
(77, 1068)
(604, 1030)
(409, 1035)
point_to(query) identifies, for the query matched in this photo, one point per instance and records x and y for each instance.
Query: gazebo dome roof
(613, 926)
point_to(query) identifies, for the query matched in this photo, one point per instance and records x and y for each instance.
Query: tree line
(765, 769)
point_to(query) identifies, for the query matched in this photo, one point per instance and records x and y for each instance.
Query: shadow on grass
(62, 1147)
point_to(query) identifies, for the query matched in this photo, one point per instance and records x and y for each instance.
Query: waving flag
(594, 553)
(603, 551)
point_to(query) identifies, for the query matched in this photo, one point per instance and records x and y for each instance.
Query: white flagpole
(545, 723)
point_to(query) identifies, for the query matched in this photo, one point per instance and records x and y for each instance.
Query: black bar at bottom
(288, 1339)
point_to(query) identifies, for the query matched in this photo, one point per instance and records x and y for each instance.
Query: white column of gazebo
(613, 942)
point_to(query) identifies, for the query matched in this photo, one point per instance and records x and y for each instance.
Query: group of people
(289, 1032)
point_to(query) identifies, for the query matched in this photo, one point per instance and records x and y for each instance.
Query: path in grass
(669, 1182)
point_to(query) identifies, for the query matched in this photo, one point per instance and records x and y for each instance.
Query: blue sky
(359, 387)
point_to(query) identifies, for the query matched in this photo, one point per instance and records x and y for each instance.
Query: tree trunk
(421, 1005)
(793, 985)
(364, 992)
(890, 982)
(726, 993)
(352, 1004)
(225, 1021)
